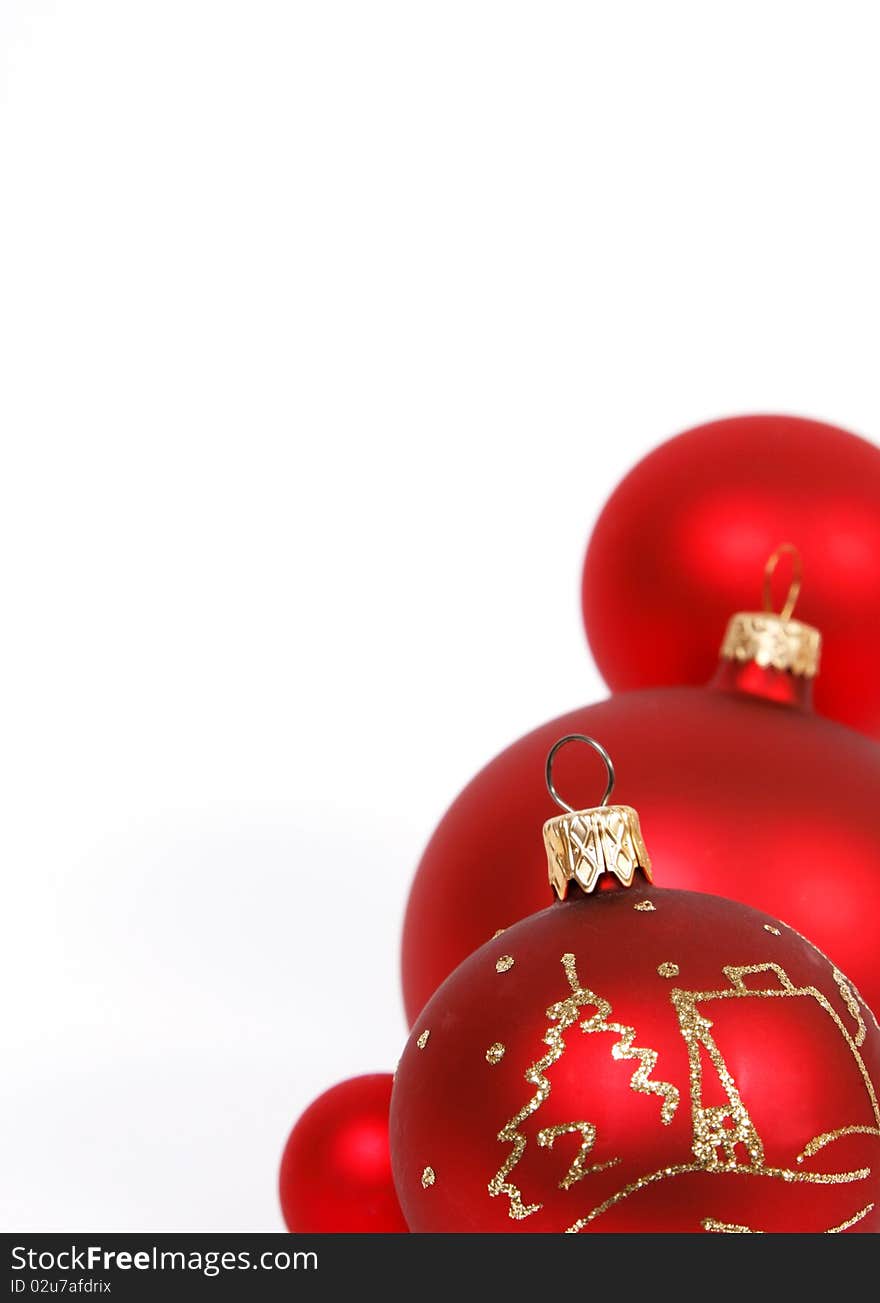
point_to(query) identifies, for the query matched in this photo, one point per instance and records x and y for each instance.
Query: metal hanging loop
(794, 588)
(598, 748)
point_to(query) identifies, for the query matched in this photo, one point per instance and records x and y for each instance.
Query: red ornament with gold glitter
(336, 1168)
(673, 549)
(639, 1059)
(742, 789)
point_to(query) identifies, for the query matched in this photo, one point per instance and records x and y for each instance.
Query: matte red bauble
(336, 1169)
(743, 791)
(639, 1060)
(675, 545)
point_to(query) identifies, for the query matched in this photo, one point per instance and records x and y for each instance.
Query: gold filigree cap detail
(773, 643)
(584, 844)
(774, 640)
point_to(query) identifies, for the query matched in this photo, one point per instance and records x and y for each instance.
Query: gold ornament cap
(774, 640)
(581, 845)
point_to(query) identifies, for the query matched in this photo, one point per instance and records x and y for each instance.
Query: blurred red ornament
(742, 789)
(639, 1060)
(673, 549)
(336, 1168)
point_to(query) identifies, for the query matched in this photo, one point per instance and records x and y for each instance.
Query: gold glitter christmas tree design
(562, 1016)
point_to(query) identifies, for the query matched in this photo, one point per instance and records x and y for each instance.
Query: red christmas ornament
(742, 789)
(639, 1060)
(672, 551)
(336, 1168)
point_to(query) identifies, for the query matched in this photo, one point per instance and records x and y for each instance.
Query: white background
(325, 329)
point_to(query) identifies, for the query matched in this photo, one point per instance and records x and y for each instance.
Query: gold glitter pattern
(499, 933)
(668, 969)
(578, 1170)
(645, 906)
(774, 931)
(727, 1228)
(828, 1137)
(495, 1053)
(423, 1039)
(852, 1004)
(786, 987)
(719, 1128)
(428, 1177)
(856, 992)
(504, 964)
(785, 1174)
(731, 1228)
(720, 1131)
(562, 1016)
(851, 1221)
(624, 1049)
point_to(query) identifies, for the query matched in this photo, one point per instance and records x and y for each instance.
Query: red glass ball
(682, 542)
(641, 1060)
(738, 794)
(336, 1168)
